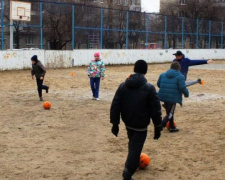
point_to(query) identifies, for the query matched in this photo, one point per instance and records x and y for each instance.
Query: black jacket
(136, 101)
(38, 70)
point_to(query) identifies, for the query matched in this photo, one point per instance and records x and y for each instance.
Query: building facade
(26, 36)
(207, 15)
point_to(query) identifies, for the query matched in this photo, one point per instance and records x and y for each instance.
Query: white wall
(18, 59)
(58, 59)
(82, 57)
(10, 60)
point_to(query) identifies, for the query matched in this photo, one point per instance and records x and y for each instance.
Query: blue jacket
(185, 63)
(172, 86)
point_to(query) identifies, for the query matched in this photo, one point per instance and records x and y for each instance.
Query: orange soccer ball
(47, 105)
(144, 161)
(168, 125)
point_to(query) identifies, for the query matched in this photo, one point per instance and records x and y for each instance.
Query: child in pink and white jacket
(96, 72)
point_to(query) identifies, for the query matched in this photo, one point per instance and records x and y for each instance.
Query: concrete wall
(10, 60)
(82, 57)
(58, 59)
(18, 59)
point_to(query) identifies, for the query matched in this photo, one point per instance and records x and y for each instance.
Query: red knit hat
(97, 54)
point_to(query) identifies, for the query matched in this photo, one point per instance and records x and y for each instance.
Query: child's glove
(158, 130)
(115, 129)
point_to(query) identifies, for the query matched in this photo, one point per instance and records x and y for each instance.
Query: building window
(182, 2)
(122, 16)
(181, 14)
(119, 2)
(30, 40)
(126, 3)
(133, 2)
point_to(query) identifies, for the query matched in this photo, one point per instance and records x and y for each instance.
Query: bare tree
(192, 10)
(136, 23)
(195, 9)
(57, 25)
(121, 38)
(58, 22)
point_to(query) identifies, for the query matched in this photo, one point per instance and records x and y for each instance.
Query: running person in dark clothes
(38, 70)
(185, 62)
(136, 101)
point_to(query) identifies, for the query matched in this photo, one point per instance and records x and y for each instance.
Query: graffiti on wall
(9, 55)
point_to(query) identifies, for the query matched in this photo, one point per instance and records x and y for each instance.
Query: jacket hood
(135, 81)
(172, 73)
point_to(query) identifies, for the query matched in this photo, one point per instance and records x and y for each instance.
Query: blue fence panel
(57, 25)
(216, 35)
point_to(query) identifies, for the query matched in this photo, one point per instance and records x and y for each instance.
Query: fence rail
(57, 26)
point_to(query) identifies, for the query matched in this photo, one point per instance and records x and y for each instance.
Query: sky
(150, 5)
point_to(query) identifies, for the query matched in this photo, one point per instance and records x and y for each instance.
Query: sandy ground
(73, 139)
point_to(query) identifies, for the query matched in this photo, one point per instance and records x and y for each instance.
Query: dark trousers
(135, 146)
(95, 84)
(170, 110)
(40, 86)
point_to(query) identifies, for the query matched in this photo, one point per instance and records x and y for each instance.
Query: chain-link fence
(65, 26)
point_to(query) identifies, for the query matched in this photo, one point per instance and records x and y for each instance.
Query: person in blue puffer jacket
(185, 62)
(171, 88)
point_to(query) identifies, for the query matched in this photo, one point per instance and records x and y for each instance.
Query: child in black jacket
(136, 101)
(38, 70)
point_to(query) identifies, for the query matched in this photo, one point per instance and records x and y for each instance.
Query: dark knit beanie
(141, 67)
(34, 58)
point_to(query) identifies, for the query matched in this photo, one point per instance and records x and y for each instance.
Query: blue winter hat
(34, 58)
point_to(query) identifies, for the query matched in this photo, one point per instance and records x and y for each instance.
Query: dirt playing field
(73, 140)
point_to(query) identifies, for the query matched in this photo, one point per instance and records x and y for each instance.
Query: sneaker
(172, 130)
(97, 99)
(127, 175)
(47, 89)
(41, 99)
(93, 98)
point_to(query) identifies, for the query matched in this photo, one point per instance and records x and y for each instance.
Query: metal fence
(56, 25)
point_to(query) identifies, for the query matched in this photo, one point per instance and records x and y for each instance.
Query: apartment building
(114, 18)
(26, 36)
(195, 9)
